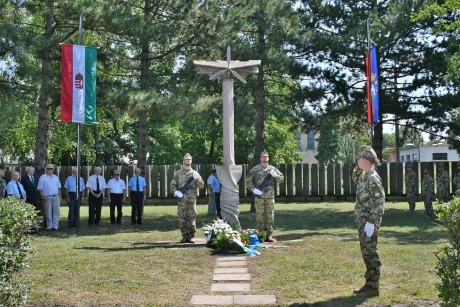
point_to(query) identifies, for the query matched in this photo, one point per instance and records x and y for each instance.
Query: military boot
(184, 240)
(367, 291)
(269, 239)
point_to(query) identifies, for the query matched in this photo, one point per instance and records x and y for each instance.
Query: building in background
(424, 153)
(308, 146)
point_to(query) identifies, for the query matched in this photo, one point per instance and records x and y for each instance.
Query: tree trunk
(41, 145)
(144, 84)
(260, 111)
(378, 139)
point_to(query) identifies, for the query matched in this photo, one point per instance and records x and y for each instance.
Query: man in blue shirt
(15, 188)
(214, 190)
(71, 191)
(136, 186)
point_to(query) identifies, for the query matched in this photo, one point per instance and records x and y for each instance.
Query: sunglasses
(116, 174)
(49, 168)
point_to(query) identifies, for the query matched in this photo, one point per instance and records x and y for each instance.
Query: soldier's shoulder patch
(377, 194)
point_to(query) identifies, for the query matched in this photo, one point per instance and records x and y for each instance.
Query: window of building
(439, 156)
(414, 157)
(311, 140)
(408, 158)
(402, 158)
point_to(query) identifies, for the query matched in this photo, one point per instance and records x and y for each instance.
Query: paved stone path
(232, 285)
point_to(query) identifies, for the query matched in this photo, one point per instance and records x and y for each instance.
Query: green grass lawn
(315, 261)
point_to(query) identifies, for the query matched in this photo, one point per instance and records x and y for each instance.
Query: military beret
(368, 153)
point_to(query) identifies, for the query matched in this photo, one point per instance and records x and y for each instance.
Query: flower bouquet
(222, 237)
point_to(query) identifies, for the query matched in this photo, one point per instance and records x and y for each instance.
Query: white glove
(179, 194)
(257, 192)
(273, 173)
(195, 175)
(369, 229)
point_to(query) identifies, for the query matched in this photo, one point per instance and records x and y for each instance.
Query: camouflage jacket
(442, 180)
(180, 178)
(257, 175)
(457, 181)
(411, 183)
(370, 199)
(428, 188)
(2, 187)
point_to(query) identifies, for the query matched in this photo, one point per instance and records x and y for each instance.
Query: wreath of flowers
(222, 237)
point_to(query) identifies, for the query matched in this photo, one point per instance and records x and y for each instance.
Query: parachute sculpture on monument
(229, 174)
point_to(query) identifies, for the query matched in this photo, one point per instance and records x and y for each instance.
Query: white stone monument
(229, 174)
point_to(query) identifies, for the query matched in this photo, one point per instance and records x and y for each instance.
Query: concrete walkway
(232, 285)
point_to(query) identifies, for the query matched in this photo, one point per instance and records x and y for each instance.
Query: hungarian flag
(372, 76)
(78, 84)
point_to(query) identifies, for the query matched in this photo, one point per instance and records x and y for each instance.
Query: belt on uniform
(54, 195)
(134, 192)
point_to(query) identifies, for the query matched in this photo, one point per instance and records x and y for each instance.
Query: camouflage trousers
(428, 207)
(265, 214)
(370, 256)
(443, 195)
(411, 200)
(186, 210)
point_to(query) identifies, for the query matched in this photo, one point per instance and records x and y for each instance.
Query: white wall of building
(428, 153)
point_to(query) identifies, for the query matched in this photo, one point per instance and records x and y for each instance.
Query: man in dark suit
(29, 181)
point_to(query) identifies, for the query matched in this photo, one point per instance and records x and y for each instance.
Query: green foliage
(16, 221)
(448, 266)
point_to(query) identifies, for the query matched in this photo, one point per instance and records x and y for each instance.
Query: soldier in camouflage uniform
(456, 182)
(369, 209)
(411, 187)
(428, 192)
(442, 183)
(264, 196)
(2, 183)
(187, 204)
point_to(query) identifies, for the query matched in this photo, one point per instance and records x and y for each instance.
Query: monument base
(229, 175)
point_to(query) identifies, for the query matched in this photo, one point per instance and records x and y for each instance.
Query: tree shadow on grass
(344, 301)
(143, 246)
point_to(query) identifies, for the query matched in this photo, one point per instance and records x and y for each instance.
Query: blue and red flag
(372, 76)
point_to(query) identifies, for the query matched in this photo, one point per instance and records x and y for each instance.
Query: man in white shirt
(96, 186)
(116, 189)
(49, 188)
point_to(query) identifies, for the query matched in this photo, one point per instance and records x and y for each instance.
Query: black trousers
(116, 200)
(137, 206)
(217, 199)
(95, 207)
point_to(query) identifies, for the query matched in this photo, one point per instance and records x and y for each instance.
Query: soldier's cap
(187, 156)
(264, 153)
(368, 153)
(213, 171)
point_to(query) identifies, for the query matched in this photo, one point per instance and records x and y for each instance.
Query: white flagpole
(77, 200)
(371, 130)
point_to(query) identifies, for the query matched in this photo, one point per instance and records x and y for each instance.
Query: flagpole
(77, 200)
(369, 65)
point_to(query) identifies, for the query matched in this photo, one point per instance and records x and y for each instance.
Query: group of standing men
(44, 193)
(427, 194)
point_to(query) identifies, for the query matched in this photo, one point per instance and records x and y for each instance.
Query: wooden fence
(301, 180)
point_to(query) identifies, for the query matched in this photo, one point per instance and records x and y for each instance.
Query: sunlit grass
(316, 259)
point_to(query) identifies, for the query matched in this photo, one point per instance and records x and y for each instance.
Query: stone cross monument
(229, 174)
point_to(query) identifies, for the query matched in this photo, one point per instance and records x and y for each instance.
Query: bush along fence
(301, 179)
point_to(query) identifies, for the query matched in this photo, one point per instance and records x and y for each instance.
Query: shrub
(17, 219)
(448, 265)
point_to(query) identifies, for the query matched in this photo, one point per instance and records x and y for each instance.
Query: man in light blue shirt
(71, 191)
(15, 188)
(136, 186)
(214, 190)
